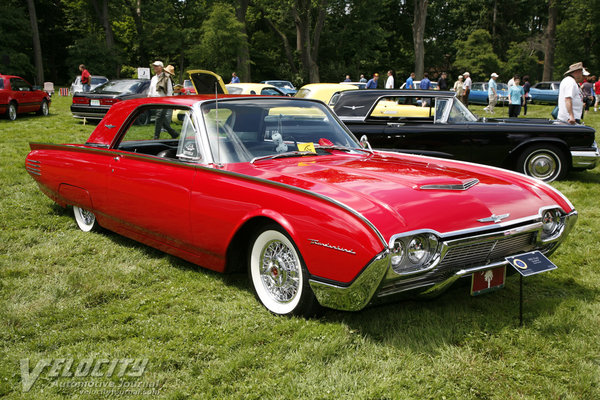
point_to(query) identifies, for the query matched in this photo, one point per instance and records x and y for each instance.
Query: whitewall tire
(86, 220)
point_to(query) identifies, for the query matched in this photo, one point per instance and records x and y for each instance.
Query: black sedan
(436, 123)
(95, 103)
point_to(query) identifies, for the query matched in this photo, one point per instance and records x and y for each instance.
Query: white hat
(158, 64)
(494, 75)
(466, 74)
(585, 72)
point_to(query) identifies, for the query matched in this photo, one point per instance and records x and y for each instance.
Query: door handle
(117, 158)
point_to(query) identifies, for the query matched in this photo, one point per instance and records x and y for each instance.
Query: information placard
(531, 263)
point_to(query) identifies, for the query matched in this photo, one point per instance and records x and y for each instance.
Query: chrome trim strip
(463, 186)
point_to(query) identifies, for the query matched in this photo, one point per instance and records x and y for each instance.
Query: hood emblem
(353, 107)
(494, 218)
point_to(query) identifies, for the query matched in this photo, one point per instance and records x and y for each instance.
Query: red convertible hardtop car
(279, 186)
(17, 96)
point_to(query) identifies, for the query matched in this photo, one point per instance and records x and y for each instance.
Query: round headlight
(397, 252)
(418, 249)
(550, 221)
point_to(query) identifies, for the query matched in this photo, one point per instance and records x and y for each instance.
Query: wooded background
(299, 40)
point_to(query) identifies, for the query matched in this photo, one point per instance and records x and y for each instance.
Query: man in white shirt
(160, 85)
(389, 83)
(570, 97)
(467, 88)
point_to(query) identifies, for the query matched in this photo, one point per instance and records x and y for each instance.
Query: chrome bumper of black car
(586, 159)
(461, 257)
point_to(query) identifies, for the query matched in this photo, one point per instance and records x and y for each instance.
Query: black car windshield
(281, 84)
(118, 87)
(242, 130)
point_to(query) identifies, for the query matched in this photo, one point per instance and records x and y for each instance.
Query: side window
(159, 131)
(1, 83)
(19, 85)
(403, 107)
(269, 92)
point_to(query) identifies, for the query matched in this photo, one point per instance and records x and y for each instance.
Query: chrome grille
(470, 255)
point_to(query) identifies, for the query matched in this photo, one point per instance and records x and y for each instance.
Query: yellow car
(253, 88)
(391, 107)
(326, 92)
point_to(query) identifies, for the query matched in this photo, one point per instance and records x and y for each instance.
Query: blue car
(544, 92)
(285, 86)
(479, 93)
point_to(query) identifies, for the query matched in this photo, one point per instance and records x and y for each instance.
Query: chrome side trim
(356, 296)
(463, 186)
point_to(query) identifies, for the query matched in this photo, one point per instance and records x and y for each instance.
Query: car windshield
(98, 81)
(281, 84)
(234, 89)
(118, 87)
(303, 93)
(243, 131)
(187, 83)
(502, 86)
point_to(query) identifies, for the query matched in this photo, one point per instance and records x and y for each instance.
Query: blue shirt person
(410, 81)
(425, 82)
(516, 94)
(234, 78)
(372, 83)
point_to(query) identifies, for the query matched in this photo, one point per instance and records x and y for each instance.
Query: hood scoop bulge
(451, 184)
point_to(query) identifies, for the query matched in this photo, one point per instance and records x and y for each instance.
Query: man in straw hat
(160, 85)
(570, 97)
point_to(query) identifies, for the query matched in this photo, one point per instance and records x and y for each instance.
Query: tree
(307, 35)
(37, 49)
(477, 56)
(243, 57)
(418, 34)
(549, 40)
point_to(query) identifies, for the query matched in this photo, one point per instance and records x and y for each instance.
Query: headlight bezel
(553, 223)
(429, 247)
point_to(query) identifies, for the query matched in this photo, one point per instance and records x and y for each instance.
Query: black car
(436, 123)
(95, 103)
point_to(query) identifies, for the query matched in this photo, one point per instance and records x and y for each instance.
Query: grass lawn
(66, 294)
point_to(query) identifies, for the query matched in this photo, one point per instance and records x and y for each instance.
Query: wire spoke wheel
(277, 274)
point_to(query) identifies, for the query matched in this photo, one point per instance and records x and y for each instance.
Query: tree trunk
(549, 40)
(309, 46)
(243, 58)
(136, 14)
(286, 46)
(418, 35)
(37, 49)
(104, 18)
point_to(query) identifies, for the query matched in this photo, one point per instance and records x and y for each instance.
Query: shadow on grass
(428, 325)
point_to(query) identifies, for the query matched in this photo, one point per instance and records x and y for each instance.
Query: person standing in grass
(526, 89)
(492, 93)
(570, 98)
(85, 79)
(516, 95)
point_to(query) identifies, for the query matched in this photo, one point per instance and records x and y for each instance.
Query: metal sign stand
(520, 300)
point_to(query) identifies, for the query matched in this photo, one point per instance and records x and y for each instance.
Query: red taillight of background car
(108, 102)
(80, 100)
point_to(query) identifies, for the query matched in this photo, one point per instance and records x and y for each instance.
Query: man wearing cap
(570, 98)
(372, 83)
(492, 93)
(467, 88)
(160, 85)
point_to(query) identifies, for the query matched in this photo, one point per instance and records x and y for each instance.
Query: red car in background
(17, 96)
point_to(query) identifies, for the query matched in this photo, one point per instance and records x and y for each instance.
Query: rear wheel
(278, 275)
(12, 111)
(545, 162)
(86, 220)
(44, 109)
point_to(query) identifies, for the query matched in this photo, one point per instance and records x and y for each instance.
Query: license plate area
(487, 280)
(94, 102)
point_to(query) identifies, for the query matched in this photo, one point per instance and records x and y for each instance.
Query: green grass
(68, 294)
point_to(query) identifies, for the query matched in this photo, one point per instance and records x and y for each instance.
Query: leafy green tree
(522, 59)
(217, 48)
(477, 56)
(16, 43)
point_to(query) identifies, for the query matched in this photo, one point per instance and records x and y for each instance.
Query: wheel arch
(514, 154)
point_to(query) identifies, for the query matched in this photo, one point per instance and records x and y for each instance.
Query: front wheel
(12, 111)
(86, 220)
(278, 275)
(544, 162)
(44, 109)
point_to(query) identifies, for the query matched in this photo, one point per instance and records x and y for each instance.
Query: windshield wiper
(284, 155)
(343, 148)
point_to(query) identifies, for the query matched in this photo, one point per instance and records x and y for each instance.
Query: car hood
(403, 193)
(207, 82)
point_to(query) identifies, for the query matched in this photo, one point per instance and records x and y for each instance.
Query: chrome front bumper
(378, 280)
(585, 159)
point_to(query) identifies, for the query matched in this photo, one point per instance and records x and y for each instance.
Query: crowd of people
(578, 91)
